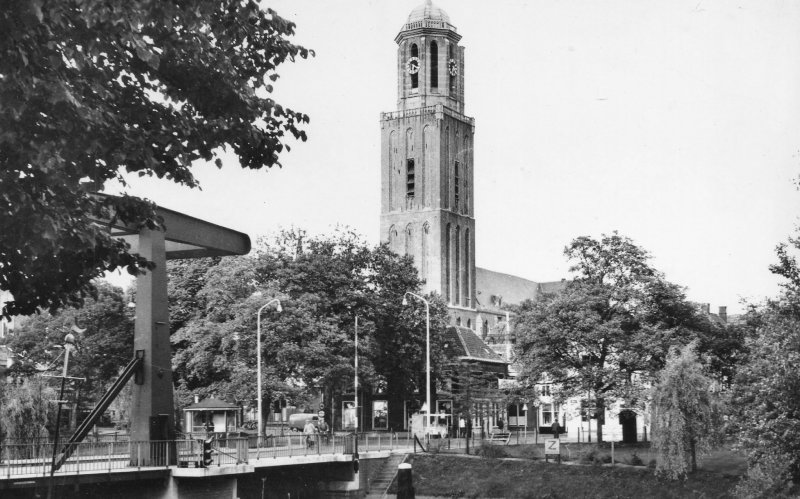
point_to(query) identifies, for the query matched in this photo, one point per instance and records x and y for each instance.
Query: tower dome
(428, 11)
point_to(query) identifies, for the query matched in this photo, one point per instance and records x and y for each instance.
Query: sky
(676, 123)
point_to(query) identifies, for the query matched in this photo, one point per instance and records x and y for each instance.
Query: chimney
(196, 399)
(723, 314)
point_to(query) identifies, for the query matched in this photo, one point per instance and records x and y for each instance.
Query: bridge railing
(35, 459)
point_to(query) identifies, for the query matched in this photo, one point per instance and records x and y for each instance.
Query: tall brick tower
(427, 160)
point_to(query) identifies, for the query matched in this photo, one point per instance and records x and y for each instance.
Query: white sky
(675, 122)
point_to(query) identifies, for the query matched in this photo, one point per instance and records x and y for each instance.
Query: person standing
(323, 430)
(309, 430)
(556, 429)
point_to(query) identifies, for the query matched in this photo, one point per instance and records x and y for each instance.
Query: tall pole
(69, 340)
(258, 362)
(355, 384)
(427, 353)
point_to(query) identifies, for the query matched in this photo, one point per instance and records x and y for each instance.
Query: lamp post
(355, 383)
(69, 344)
(258, 359)
(427, 352)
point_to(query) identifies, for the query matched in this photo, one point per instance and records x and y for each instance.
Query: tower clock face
(452, 66)
(412, 65)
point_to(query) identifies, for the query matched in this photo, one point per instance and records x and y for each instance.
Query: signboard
(321, 414)
(611, 432)
(551, 447)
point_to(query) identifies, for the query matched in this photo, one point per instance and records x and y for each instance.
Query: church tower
(427, 160)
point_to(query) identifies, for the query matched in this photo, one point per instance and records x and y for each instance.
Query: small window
(458, 321)
(456, 184)
(410, 178)
(469, 323)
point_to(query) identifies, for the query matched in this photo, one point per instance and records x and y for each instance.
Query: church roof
(428, 11)
(467, 345)
(496, 289)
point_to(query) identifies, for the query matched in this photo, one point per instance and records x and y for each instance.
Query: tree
(765, 397)
(104, 347)
(609, 331)
(323, 283)
(471, 386)
(92, 89)
(686, 414)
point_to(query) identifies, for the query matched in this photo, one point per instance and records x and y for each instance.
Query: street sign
(321, 414)
(551, 447)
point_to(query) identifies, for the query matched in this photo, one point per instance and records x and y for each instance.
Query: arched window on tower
(466, 176)
(447, 252)
(447, 161)
(457, 269)
(392, 237)
(452, 67)
(456, 178)
(415, 74)
(434, 65)
(467, 267)
(409, 240)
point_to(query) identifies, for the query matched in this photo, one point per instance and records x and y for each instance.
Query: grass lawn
(450, 475)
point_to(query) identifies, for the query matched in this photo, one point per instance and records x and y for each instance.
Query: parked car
(298, 421)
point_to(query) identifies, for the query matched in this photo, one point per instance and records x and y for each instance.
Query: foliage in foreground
(94, 88)
(686, 415)
(766, 393)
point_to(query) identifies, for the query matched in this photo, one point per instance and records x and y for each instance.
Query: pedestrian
(556, 429)
(500, 424)
(309, 430)
(462, 427)
(323, 429)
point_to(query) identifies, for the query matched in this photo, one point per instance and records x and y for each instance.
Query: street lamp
(69, 345)
(427, 353)
(258, 359)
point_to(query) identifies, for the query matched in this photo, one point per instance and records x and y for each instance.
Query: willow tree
(686, 416)
(25, 410)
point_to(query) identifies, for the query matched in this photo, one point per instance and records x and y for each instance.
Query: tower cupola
(430, 61)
